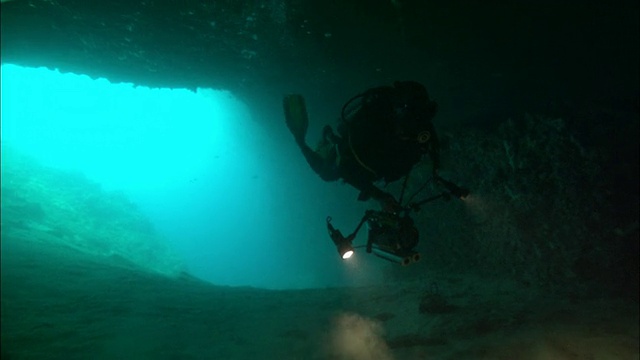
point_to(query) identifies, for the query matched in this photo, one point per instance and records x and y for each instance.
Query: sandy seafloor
(58, 303)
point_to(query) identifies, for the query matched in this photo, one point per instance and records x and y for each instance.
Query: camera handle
(336, 235)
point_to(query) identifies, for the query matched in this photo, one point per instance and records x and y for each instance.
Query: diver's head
(415, 97)
(414, 110)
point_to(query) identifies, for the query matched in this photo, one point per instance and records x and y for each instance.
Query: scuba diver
(383, 132)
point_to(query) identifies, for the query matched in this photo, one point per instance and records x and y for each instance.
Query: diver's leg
(297, 121)
(323, 166)
(296, 118)
(329, 136)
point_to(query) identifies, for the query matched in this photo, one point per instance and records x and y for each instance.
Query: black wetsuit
(379, 141)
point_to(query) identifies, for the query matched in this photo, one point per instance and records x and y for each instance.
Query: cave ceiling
(474, 56)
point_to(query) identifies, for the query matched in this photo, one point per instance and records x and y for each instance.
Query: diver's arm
(370, 191)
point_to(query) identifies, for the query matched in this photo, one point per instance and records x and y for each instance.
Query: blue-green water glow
(241, 208)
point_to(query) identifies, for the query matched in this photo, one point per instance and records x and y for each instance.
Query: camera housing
(391, 232)
(392, 235)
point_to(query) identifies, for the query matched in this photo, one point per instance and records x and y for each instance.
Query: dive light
(345, 249)
(454, 189)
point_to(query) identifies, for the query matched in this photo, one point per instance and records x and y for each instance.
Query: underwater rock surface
(67, 210)
(61, 303)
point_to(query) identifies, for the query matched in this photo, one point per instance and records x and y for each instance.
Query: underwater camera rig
(392, 236)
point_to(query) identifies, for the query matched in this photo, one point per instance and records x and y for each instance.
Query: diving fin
(295, 113)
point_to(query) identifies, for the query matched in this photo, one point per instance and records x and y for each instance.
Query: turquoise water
(238, 207)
